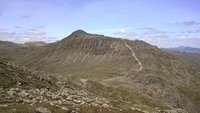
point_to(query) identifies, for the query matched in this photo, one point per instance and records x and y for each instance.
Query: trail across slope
(134, 56)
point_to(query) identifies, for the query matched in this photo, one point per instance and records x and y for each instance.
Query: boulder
(64, 108)
(11, 92)
(23, 93)
(42, 110)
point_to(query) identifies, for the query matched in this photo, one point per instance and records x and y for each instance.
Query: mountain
(83, 53)
(130, 74)
(6, 46)
(186, 49)
(37, 43)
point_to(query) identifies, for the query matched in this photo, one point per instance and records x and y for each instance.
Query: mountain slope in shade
(154, 77)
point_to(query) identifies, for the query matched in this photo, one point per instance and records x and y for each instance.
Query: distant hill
(37, 43)
(186, 49)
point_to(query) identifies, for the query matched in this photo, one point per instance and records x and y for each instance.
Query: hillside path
(134, 56)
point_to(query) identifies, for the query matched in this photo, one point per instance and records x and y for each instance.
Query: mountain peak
(76, 34)
(79, 32)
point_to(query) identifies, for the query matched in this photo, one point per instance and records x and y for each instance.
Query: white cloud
(190, 23)
(26, 36)
(186, 23)
(34, 32)
(6, 36)
(25, 16)
(169, 41)
(151, 30)
(193, 31)
(2, 29)
(125, 33)
(17, 27)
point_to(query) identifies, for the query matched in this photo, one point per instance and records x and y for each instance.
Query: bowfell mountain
(117, 75)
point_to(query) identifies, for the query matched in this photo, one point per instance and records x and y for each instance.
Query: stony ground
(26, 91)
(64, 99)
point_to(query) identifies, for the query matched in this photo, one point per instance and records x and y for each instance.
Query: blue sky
(164, 23)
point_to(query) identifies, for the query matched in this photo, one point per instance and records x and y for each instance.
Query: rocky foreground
(19, 95)
(66, 99)
(23, 91)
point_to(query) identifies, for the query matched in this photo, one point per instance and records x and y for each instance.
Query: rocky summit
(92, 73)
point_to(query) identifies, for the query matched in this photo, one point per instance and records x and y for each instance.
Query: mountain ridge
(137, 67)
(185, 49)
